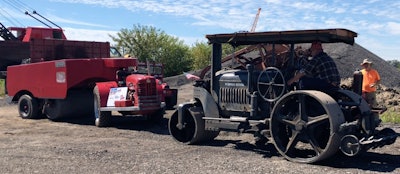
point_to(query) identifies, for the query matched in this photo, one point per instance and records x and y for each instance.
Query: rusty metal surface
(301, 123)
(285, 37)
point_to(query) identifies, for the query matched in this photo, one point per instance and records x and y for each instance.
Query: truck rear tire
(28, 107)
(102, 118)
(78, 103)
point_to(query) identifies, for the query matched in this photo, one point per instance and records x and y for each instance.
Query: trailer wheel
(304, 126)
(53, 109)
(193, 131)
(77, 103)
(28, 107)
(102, 118)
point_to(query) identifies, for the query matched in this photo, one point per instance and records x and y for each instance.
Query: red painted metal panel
(120, 62)
(53, 49)
(104, 90)
(43, 33)
(12, 53)
(38, 78)
(41, 78)
(123, 103)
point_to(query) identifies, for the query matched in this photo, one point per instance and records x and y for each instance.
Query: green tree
(394, 63)
(149, 43)
(200, 53)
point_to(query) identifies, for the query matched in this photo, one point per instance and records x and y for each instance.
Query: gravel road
(137, 146)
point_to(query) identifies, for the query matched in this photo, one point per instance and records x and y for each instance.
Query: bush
(2, 87)
(390, 116)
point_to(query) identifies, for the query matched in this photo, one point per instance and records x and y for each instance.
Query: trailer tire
(102, 118)
(28, 107)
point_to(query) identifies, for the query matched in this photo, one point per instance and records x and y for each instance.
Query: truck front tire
(102, 118)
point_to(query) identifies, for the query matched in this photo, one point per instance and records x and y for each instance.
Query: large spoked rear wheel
(28, 107)
(193, 131)
(304, 126)
(102, 118)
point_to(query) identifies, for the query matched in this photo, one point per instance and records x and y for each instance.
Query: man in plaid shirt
(320, 73)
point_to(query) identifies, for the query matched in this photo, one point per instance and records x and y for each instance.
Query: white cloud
(104, 36)
(89, 35)
(77, 22)
(372, 18)
(379, 47)
(393, 28)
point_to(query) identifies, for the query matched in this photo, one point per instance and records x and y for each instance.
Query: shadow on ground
(368, 161)
(127, 123)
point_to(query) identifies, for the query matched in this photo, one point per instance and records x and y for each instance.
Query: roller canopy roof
(285, 37)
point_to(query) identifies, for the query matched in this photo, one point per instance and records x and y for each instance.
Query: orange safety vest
(369, 77)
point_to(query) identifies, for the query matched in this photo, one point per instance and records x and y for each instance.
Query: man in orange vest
(371, 79)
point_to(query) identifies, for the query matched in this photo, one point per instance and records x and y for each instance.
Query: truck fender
(104, 90)
(210, 107)
(171, 97)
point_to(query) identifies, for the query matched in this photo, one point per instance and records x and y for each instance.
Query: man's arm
(296, 77)
(377, 81)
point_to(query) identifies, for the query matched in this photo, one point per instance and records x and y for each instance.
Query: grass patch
(2, 87)
(392, 115)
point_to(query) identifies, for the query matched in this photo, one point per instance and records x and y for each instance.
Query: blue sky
(377, 22)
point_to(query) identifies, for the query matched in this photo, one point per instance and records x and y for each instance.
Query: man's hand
(290, 81)
(295, 78)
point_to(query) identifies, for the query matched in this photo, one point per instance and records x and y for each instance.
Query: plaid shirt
(323, 67)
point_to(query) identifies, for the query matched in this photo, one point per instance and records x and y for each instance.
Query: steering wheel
(271, 84)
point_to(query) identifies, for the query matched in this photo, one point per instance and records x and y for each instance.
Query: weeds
(2, 87)
(392, 115)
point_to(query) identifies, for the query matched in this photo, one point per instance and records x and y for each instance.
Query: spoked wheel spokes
(271, 84)
(304, 126)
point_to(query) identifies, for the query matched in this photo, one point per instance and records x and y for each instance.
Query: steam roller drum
(304, 126)
(193, 130)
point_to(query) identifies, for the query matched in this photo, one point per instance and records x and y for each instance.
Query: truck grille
(234, 95)
(146, 88)
(147, 94)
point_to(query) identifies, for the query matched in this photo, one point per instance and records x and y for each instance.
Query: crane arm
(253, 28)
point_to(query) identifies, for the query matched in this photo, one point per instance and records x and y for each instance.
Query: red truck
(62, 78)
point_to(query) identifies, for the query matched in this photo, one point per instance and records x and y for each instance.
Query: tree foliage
(201, 54)
(149, 43)
(394, 63)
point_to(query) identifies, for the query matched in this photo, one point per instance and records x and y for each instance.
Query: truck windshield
(114, 52)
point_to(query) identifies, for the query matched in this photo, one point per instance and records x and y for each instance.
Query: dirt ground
(136, 146)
